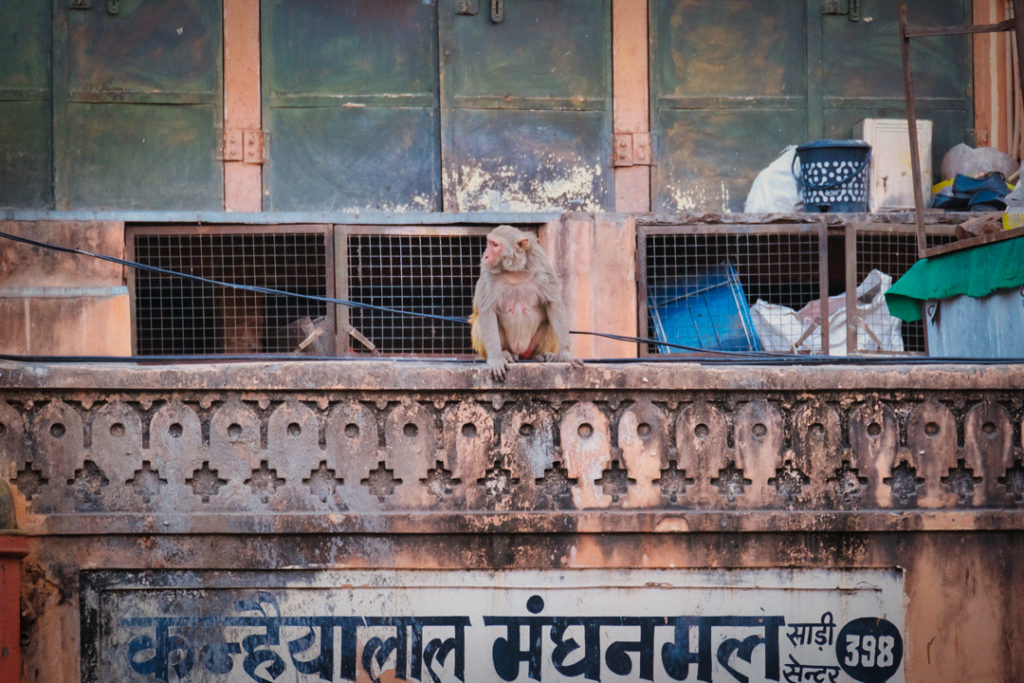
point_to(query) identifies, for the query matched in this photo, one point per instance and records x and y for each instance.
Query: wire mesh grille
(176, 315)
(894, 254)
(428, 274)
(700, 287)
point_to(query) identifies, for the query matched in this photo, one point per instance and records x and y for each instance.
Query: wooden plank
(243, 182)
(977, 241)
(630, 108)
(1007, 25)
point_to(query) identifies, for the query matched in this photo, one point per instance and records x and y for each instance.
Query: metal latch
(835, 7)
(113, 6)
(497, 11)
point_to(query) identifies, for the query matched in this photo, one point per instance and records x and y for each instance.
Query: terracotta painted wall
(138, 474)
(64, 304)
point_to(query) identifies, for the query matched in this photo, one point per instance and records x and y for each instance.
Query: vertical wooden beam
(1015, 95)
(630, 108)
(915, 154)
(243, 172)
(993, 79)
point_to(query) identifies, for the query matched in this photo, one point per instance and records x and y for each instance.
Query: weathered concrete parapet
(350, 446)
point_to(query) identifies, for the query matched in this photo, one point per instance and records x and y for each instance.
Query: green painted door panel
(364, 111)
(701, 143)
(728, 89)
(143, 156)
(350, 101)
(521, 160)
(25, 105)
(526, 102)
(735, 81)
(863, 71)
(139, 105)
(354, 159)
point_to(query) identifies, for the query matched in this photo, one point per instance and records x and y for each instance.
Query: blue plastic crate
(705, 310)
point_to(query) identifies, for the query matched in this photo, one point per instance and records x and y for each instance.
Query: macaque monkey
(518, 312)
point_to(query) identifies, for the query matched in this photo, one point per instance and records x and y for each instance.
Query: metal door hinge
(246, 146)
(632, 149)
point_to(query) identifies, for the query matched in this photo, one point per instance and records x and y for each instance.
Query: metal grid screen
(700, 287)
(428, 274)
(176, 315)
(894, 254)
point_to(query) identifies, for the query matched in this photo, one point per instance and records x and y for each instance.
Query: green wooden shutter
(527, 122)
(138, 104)
(350, 101)
(25, 105)
(735, 81)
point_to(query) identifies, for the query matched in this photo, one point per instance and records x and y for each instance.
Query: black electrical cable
(331, 300)
(233, 285)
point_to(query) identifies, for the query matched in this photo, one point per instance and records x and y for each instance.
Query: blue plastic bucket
(704, 310)
(833, 175)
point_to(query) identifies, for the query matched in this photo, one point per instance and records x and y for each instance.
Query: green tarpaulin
(976, 272)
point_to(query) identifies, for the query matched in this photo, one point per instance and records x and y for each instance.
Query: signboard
(472, 626)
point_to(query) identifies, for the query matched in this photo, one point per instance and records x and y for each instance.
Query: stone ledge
(536, 522)
(780, 373)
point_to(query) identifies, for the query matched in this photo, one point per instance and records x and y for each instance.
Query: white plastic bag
(783, 330)
(775, 190)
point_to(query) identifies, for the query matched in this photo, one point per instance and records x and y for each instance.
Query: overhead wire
(749, 356)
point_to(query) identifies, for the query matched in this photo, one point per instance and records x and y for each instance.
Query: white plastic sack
(775, 190)
(783, 330)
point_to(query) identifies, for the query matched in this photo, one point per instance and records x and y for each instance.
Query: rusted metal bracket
(244, 145)
(467, 7)
(1016, 24)
(632, 149)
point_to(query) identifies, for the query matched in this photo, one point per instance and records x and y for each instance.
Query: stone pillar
(595, 257)
(55, 303)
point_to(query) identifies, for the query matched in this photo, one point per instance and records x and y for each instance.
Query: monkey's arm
(559, 321)
(486, 334)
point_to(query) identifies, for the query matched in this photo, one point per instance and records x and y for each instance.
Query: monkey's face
(493, 254)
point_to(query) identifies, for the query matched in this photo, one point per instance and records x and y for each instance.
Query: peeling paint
(557, 184)
(698, 196)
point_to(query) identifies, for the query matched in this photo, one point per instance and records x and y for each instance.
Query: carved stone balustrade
(365, 446)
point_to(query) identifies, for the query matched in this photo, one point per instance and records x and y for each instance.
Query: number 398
(869, 651)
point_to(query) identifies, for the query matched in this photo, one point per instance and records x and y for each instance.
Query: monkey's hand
(499, 365)
(563, 356)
